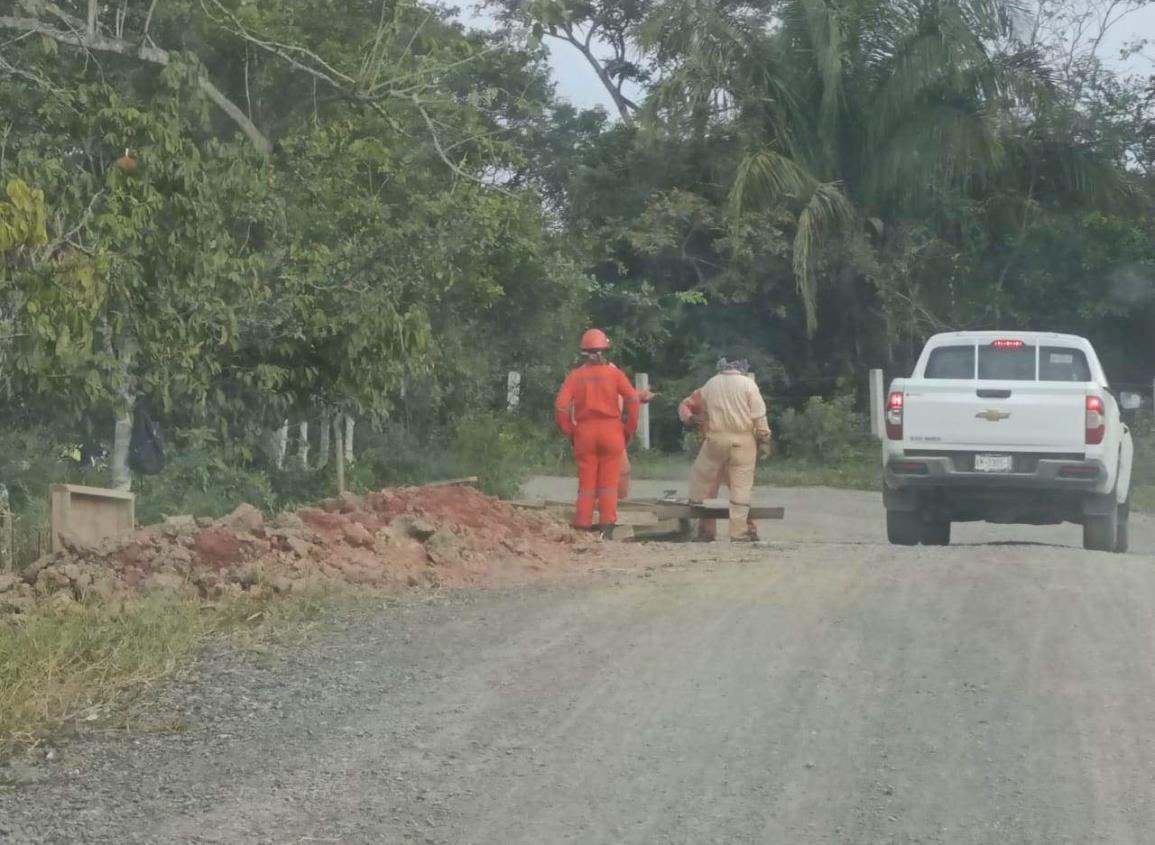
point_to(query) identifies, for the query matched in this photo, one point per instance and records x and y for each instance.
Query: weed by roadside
(68, 664)
(1143, 498)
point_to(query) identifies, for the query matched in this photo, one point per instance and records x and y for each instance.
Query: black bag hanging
(146, 449)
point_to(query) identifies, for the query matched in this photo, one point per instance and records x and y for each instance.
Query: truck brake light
(1096, 422)
(1008, 344)
(894, 415)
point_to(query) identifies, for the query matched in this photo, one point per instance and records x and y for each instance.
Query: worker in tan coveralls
(735, 434)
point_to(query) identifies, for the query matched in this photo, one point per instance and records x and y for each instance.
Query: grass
(778, 472)
(853, 475)
(1143, 497)
(66, 664)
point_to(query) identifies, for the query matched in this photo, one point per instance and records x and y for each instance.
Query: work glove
(765, 449)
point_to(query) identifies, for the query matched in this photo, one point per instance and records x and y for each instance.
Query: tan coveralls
(737, 415)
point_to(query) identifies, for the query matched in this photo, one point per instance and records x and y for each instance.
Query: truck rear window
(951, 362)
(1058, 363)
(1017, 364)
(1055, 363)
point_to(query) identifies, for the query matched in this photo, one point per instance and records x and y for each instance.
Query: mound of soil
(405, 537)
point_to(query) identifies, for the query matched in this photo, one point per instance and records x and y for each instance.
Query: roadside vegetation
(283, 224)
(279, 230)
(68, 665)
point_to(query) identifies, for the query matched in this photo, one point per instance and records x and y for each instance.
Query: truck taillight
(1096, 422)
(894, 415)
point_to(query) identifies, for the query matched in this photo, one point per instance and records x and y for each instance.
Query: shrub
(200, 478)
(825, 431)
(500, 449)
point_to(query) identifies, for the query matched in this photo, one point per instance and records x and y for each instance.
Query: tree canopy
(243, 213)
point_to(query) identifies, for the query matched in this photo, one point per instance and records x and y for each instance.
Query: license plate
(994, 463)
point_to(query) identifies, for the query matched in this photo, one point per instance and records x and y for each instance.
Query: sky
(577, 82)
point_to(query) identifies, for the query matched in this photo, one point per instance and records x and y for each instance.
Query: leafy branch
(86, 36)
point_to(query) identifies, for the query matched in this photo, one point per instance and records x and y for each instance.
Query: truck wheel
(903, 528)
(1101, 533)
(1122, 540)
(936, 532)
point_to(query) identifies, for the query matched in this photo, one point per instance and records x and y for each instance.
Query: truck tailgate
(1010, 416)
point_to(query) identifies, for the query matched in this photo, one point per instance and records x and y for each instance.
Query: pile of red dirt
(414, 537)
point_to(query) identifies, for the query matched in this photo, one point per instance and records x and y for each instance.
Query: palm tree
(854, 110)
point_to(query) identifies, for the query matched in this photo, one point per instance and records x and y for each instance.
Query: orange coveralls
(589, 412)
(693, 409)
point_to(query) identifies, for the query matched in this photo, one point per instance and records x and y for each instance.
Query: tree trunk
(348, 439)
(303, 444)
(323, 445)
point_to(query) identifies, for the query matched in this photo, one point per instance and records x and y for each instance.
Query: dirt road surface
(820, 688)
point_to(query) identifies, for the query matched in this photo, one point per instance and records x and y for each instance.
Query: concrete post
(513, 390)
(643, 383)
(877, 404)
(7, 558)
(339, 451)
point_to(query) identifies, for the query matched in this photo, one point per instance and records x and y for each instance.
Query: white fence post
(513, 390)
(7, 555)
(347, 442)
(877, 409)
(643, 383)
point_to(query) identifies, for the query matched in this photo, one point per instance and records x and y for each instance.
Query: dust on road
(820, 688)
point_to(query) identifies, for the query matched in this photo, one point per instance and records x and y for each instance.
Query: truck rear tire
(1101, 533)
(936, 532)
(903, 528)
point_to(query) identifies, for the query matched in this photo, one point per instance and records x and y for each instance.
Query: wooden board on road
(656, 514)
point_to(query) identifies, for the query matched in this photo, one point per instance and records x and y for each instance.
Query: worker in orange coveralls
(644, 397)
(692, 413)
(589, 412)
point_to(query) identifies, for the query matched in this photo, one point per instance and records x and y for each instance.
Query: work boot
(705, 537)
(751, 536)
(607, 531)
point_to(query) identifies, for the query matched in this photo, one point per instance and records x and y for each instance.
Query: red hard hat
(595, 340)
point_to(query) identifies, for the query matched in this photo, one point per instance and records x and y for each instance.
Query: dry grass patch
(66, 664)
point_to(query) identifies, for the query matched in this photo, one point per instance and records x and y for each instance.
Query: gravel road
(821, 687)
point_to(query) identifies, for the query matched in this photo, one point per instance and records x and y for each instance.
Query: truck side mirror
(1130, 401)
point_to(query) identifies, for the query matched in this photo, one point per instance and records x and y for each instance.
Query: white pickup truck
(1007, 427)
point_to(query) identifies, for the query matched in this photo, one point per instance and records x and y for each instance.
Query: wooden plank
(662, 510)
(667, 529)
(703, 512)
(624, 533)
(637, 518)
(454, 482)
(102, 492)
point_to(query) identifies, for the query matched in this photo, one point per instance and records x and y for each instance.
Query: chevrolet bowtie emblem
(992, 416)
